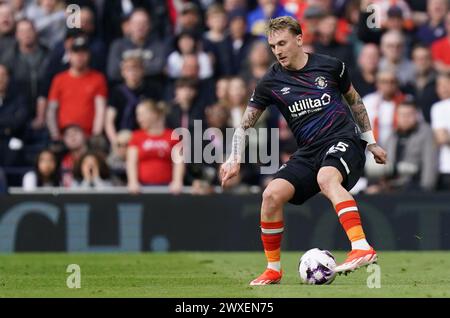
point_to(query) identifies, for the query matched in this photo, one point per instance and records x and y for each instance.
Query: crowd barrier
(119, 222)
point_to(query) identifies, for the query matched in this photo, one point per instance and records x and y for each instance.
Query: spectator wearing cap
(13, 118)
(423, 87)
(58, 60)
(390, 17)
(7, 25)
(393, 48)
(440, 49)
(125, 96)
(49, 18)
(188, 44)
(28, 58)
(153, 50)
(266, 9)
(325, 42)
(434, 28)
(238, 41)
(78, 95)
(364, 77)
(311, 18)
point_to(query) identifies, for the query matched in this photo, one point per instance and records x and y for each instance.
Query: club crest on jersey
(321, 82)
(285, 90)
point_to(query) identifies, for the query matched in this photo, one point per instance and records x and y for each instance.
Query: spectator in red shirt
(440, 49)
(150, 159)
(77, 96)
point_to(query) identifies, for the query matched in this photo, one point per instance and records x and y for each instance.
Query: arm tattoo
(358, 109)
(249, 119)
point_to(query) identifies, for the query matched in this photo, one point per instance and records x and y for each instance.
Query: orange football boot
(269, 276)
(357, 259)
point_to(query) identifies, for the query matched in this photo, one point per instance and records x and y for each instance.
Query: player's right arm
(230, 168)
(359, 112)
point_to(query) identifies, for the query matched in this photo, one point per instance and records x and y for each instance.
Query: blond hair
(215, 8)
(283, 23)
(158, 107)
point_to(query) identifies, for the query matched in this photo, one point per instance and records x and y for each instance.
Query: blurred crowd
(94, 106)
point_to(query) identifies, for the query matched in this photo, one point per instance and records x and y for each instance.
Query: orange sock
(348, 214)
(271, 235)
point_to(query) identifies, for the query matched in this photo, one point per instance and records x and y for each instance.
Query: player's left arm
(359, 112)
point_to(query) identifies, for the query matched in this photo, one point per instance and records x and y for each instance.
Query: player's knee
(272, 198)
(327, 180)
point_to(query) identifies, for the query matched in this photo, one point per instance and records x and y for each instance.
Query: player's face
(285, 46)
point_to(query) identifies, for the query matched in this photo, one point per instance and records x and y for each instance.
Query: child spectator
(46, 172)
(76, 145)
(91, 171)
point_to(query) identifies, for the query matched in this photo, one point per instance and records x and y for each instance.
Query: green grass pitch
(190, 275)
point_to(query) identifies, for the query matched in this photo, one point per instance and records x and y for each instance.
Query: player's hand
(229, 169)
(379, 153)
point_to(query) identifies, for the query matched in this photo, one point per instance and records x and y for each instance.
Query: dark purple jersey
(310, 100)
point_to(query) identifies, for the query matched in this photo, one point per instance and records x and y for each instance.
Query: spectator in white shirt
(46, 172)
(381, 105)
(440, 122)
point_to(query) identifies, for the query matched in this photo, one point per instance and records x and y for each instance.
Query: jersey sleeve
(260, 98)
(343, 77)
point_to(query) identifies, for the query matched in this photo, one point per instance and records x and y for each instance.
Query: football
(316, 267)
